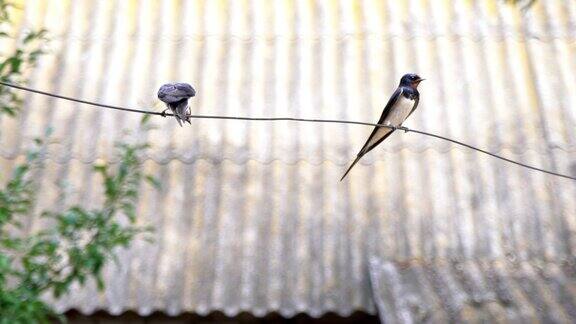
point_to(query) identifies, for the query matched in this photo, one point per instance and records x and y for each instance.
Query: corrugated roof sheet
(474, 291)
(251, 216)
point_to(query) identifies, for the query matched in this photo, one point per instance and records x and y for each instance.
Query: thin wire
(336, 121)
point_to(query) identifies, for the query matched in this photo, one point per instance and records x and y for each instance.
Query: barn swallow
(176, 96)
(400, 106)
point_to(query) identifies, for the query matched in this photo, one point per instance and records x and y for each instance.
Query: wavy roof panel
(251, 216)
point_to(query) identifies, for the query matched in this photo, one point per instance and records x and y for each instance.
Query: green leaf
(153, 181)
(100, 282)
(15, 63)
(10, 111)
(145, 119)
(100, 168)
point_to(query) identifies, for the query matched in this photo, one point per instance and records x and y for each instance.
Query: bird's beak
(417, 82)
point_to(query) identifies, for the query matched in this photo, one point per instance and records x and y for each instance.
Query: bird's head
(411, 80)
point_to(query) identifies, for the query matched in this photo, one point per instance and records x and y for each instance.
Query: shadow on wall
(75, 317)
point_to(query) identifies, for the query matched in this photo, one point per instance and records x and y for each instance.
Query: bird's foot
(163, 113)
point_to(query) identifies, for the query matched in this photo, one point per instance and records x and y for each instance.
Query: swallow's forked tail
(188, 113)
(352, 165)
(178, 120)
(181, 114)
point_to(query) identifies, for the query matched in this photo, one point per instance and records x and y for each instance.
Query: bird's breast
(400, 111)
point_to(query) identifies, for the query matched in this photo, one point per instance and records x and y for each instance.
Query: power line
(334, 121)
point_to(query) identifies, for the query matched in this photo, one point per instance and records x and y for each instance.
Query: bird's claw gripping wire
(163, 113)
(405, 129)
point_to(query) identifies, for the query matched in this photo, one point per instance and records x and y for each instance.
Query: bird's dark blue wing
(185, 89)
(175, 92)
(164, 91)
(381, 133)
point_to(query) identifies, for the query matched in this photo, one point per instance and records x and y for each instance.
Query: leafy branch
(75, 248)
(13, 65)
(79, 242)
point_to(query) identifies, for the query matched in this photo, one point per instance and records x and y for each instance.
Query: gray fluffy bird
(176, 96)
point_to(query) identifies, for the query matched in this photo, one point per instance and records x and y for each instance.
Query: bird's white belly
(400, 112)
(395, 118)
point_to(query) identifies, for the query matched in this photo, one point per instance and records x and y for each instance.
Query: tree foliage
(29, 47)
(75, 248)
(78, 242)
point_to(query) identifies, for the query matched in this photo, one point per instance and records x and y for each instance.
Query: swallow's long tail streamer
(178, 117)
(180, 112)
(350, 167)
(188, 112)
